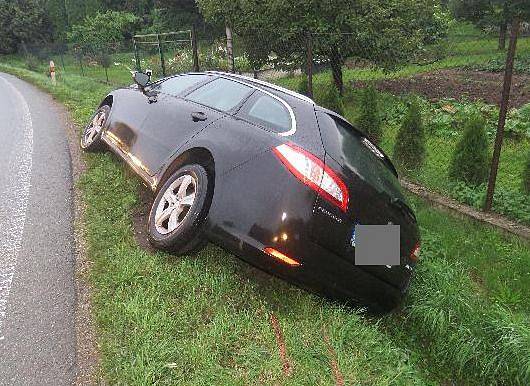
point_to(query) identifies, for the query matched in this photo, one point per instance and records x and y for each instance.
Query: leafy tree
(470, 162)
(369, 119)
(103, 32)
(409, 149)
(22, 22)
(491, 13)
(526, 175)
(385, 32)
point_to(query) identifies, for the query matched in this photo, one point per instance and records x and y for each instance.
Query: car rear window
(221, 94)
(177, 84)
(343, 143)
(268, 112)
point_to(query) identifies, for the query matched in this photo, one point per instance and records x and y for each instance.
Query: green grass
(205, 318)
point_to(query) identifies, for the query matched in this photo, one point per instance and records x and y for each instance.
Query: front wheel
(179, 210)
(91, 139)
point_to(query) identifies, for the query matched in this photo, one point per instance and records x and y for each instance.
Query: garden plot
(457, 84)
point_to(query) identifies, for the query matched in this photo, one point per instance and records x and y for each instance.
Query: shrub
(369, 120)
(329, 97)
(526, 175)
(409, 149)
(470, 162)
(302, 85)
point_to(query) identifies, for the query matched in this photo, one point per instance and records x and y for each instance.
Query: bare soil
(140, 217)
(458, 84)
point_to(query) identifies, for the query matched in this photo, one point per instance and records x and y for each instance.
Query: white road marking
(14, 201)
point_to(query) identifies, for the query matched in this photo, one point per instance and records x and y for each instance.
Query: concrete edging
(504, 224)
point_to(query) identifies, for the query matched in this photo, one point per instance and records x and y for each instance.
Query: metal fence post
(194, 48)
(161, 52)
(136, 56)
(309, 52)
(516, 23)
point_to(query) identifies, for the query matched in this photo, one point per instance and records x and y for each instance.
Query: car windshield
(343, 142)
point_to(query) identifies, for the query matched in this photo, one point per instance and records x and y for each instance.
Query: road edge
(87, 349)
(87, 355)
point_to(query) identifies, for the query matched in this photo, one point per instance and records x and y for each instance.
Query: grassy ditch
(210, 318)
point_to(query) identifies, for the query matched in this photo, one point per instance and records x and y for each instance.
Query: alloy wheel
(175, 204)
(94, 127)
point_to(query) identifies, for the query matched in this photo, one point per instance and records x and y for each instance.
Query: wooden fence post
(508, 73)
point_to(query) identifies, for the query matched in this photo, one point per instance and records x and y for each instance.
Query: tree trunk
(336, 70)
(502, 34)
(230, 49)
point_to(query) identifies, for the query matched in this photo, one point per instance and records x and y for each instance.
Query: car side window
(177, 84)
(268, 112)
(221, 94)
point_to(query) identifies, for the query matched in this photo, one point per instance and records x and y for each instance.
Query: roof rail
(266, 84)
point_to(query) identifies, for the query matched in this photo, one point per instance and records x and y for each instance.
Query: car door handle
(198, 116)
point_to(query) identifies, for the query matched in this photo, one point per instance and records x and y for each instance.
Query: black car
(263, 172)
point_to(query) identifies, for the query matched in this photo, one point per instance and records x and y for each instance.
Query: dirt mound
(473, 85)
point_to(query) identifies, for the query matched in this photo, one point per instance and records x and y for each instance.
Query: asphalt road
(37, 263)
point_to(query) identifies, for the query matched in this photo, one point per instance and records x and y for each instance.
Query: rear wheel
(91, 139)
(177, 216)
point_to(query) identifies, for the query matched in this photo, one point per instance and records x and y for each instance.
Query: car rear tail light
(415, 253)
(282, 257)
(312, 172)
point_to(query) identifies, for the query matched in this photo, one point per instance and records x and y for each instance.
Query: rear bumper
(322, 272)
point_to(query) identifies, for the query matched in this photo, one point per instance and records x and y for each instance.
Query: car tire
(91, 139)
(177, 216)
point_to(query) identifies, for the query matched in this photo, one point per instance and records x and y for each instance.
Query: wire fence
(457, 65)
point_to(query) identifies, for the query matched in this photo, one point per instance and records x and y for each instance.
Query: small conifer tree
(409, 149)
(470, 162)
(302, 86)
(329, 97)
(369, 121)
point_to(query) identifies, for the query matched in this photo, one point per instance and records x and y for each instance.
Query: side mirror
(141, 79)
